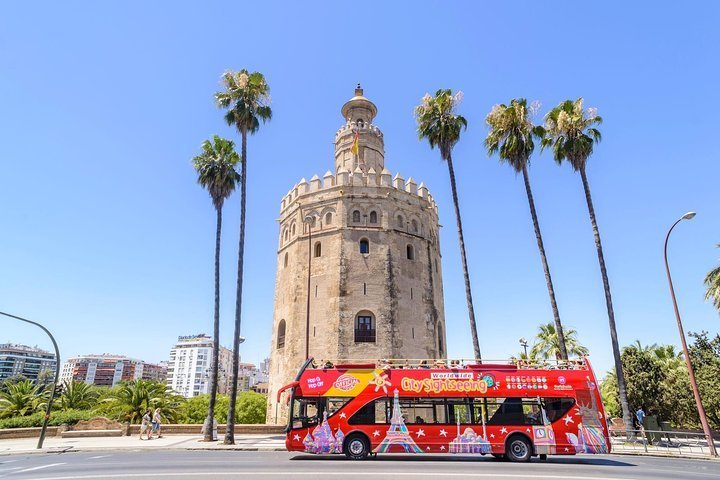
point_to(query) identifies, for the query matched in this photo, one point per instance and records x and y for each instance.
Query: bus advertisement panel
(512, 411)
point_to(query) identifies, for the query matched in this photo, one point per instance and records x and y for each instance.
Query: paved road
(162, 464)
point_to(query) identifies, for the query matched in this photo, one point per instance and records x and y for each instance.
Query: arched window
(360, 122)
(318, 249)
(356, 216)
(414, 226)
(441, 346)
(410, 251)
(285, 263)
(281, 334)
(373, 217)
(365, 327)
(328, 218)
(400, 222)
(364, 246)
(292, 228)
(286, 235)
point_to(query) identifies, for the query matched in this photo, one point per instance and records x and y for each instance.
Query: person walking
(640, 414)
(156, 423)
(145, 425)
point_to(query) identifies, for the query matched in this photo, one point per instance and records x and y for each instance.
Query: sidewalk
(246, 442)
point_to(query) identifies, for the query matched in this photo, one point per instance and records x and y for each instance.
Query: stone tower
(371, 243)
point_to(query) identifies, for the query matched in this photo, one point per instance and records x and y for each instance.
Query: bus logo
(345, 382)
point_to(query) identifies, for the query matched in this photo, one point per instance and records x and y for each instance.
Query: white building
(190, 366)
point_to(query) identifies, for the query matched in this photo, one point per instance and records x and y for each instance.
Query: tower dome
(359, 143)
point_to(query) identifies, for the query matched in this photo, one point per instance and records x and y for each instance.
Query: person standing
(156, 423)
(145, 425)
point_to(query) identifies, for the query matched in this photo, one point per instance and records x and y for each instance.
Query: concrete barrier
(27, 432)
(90, 433)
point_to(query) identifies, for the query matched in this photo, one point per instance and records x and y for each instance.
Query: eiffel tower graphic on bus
(398, 433)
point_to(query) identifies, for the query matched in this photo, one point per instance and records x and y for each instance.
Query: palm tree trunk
(230, 430)
(468, 292)
(216, 335)
(627, 414)
(548, 279)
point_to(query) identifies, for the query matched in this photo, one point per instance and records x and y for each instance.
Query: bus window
(513, 411)
(419, 410)
(336, 403)
(556, 408)
(305, 412)
(372, 413)
(458, 411)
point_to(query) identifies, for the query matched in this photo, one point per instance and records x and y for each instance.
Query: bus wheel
(357, 447)
(518, 449)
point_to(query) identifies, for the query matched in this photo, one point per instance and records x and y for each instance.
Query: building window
(441, 347)
(293, 230)
(281, 334)
(414, 226)
(328, 218)
(356, 216)
(373, 217)
(286, 235)
(318, 249)
(364, 246)
(400, 222)
(365, 327)
(360, 122)
(410, 252)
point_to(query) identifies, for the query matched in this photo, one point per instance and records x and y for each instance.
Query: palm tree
(247, 98)
(547, 343)
(21, 398)
(571, 132)
(78, 395)
(712, 281)
(215, 167)
(511, 137)
(129, 400)
(441, 126)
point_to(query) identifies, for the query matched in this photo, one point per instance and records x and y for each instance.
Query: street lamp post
(691, 372)
(309, 221)
(55, 381)
(524, 344)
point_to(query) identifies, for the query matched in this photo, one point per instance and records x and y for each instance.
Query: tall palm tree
(712, 281)
(247, 100)
(547, 343)
(570, 131)
(215, 167)
(439, 123)
(511, 137)
(129, 400)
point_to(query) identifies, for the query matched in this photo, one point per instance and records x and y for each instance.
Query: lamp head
(523, 341)
(689, 216)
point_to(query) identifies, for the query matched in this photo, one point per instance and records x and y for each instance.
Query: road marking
(40, 467)
(336, 474)
(99, 456)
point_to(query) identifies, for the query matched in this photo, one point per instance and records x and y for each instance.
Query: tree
(247, 100)
(78, 396)
(547, 343)
(645, 379)
(215, 167)
(511, 137)
(570, 131)
(705, 358)
(712, 281)
(439, 123)
(129, 400)
(21, 398)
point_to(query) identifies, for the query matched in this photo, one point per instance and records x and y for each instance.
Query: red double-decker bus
(511, 410)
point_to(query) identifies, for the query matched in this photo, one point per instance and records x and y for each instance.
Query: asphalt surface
(159, 464)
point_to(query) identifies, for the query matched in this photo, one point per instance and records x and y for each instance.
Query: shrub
(68, 417)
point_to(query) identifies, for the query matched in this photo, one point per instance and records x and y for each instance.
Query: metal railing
(660, 442)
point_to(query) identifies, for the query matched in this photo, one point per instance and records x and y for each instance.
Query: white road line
(41, 467)
(99, 456)
(337, 474)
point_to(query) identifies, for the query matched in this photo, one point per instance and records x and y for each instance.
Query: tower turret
(369, 152)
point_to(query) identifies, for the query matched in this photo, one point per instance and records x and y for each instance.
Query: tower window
(293, 229)
(286, 260)
(365, 327)
(328, 218)
(356, 216)
(286, 235)
(281, 334)
(318, 249)
(410, 251)
(400, 222)
(373, 217)
(364, 246)
(414, 226)
(360, 122)
(441, 346)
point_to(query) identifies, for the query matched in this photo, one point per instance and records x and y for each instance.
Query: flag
(356, 145)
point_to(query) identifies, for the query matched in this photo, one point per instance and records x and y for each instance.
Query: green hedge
(69, 417)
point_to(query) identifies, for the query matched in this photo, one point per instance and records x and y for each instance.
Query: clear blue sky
(107, 239)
